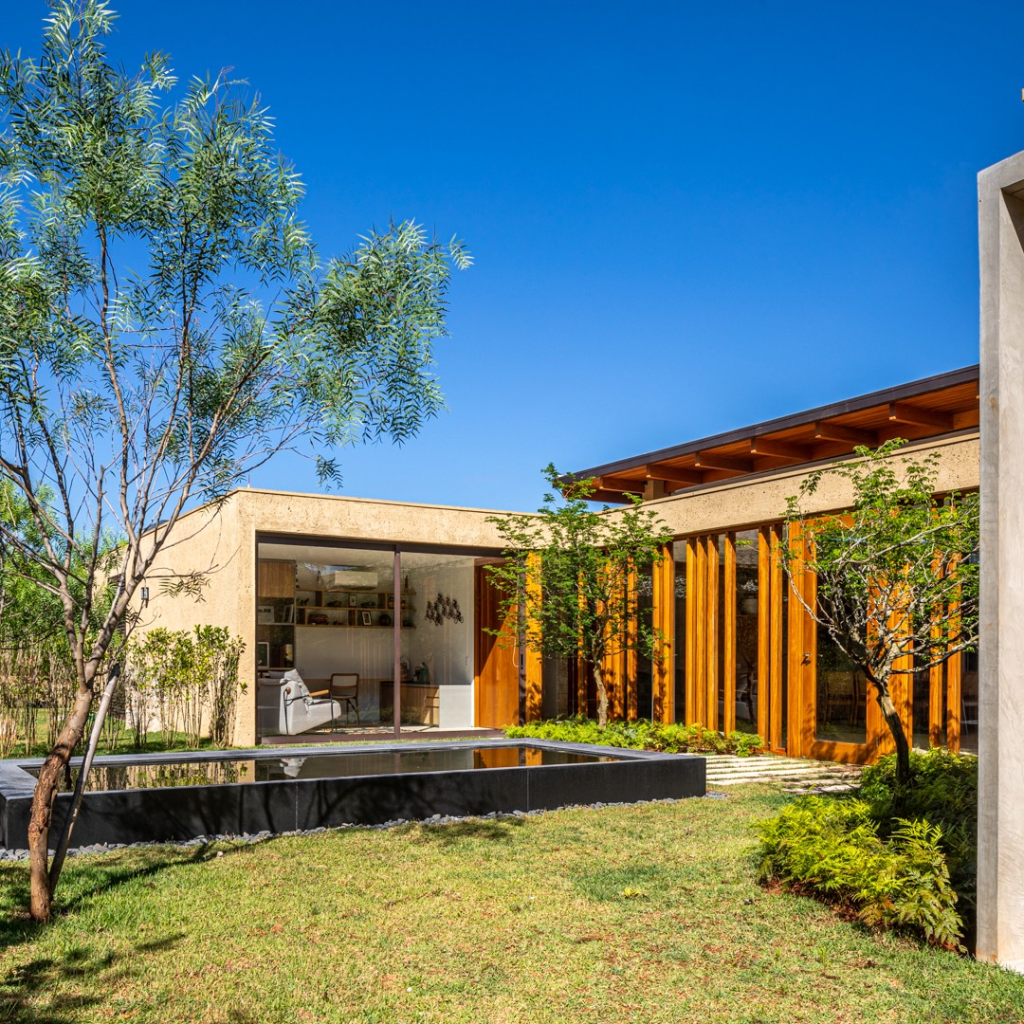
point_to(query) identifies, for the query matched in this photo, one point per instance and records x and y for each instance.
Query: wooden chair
(842, 694)
(345, 690)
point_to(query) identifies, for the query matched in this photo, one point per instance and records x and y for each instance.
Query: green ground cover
(646, 913)
(640, 735)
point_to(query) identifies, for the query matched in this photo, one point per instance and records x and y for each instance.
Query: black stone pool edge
(176, 814)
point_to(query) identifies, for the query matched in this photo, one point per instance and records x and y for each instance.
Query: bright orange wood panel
(497, 669)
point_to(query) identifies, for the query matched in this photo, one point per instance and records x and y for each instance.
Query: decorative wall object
(443, 608)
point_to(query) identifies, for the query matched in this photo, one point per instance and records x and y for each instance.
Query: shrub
(943, 791)
(186, 678)
(639, 735)
(832, 848)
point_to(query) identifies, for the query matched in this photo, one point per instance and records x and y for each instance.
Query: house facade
(394, 598)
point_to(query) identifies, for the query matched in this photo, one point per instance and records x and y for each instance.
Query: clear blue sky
(686, 217)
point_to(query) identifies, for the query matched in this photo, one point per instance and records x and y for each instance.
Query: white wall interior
(447, 649)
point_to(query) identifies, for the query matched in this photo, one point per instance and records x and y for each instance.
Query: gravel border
(7, 856)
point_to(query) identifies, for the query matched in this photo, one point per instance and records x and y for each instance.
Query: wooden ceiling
(925, 408)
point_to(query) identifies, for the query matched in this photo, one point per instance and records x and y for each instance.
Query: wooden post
(664, 615)
(728, 723)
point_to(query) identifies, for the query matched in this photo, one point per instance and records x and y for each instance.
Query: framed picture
(367, 619)
(262, 655)
(264, 614)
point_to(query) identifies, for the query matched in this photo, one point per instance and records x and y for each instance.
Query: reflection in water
(160, 776)
(323, 766)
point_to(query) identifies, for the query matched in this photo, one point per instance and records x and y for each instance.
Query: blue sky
(686, 217)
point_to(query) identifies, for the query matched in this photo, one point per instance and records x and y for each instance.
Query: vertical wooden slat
(807, 700)
(954, 686)
(664, 620)
(935, 702)
(396, 643)
(728, 723)
(534, 664)
(776, 643)
(629, 667)
(794, 640)
(701, 631)
(764, 606)
(690, 711)
(711, 707)
(954, 682)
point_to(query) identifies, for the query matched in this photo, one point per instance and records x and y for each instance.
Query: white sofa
(284, 706)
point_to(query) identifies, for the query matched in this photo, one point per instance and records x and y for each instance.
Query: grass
(645, 913)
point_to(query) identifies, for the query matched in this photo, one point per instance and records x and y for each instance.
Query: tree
(167, 326)
(896, 576)
(569, 579)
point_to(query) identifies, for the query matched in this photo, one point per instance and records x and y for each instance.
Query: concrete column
(1001, 649)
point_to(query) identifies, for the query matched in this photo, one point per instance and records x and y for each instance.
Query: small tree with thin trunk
(167, 327)
(569, 579)
(896, 575)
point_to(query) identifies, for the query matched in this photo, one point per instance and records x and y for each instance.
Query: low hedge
(640, 735)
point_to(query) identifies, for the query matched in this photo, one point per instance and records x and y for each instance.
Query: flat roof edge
(924, 386)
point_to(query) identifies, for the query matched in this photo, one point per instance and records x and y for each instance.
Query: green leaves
(166, 323)
(897, 576)
(569, 577)
(832, 848)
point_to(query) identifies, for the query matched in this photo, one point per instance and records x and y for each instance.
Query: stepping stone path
(795, 774)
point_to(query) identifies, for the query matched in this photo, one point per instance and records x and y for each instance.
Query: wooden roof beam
(709, 460)
(825, 431)
(780, 450)
(608, 497)
(903, 412)
(673, 474)
(621, 483)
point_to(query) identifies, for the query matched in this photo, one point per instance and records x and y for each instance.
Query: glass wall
(747, 598)
(437, 633)
(329, 613)
(968, 702)
(678, 554)
(641, 690)
(841, 695)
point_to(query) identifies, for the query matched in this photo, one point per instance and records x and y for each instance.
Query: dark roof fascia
(894, 394)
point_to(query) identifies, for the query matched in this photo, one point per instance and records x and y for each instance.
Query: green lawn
(639, 914)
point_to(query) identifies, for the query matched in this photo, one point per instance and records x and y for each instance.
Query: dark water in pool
(322, 766)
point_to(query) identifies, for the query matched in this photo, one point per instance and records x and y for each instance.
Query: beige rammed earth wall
(752, 501)
(220, 542)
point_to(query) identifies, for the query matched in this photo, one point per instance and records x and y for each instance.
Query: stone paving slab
(797, 774)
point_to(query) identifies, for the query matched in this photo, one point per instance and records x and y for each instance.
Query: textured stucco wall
(221, 542)
(750, 501)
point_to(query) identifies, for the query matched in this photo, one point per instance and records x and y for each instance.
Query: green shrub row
(898, 857)
(832, 848)
(640, 735)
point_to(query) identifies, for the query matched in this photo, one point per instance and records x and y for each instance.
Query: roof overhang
(931, 407)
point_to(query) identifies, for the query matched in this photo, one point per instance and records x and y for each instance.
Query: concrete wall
(1000, 684)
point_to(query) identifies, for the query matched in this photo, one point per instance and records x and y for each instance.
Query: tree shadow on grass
(87, 880)
(31, 992)
(499, 830)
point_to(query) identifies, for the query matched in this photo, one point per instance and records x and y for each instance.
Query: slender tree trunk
(83, 775)
(43, 801)
(892, 719)
(602, 695)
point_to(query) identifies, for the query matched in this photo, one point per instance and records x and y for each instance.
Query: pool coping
(184, 812)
